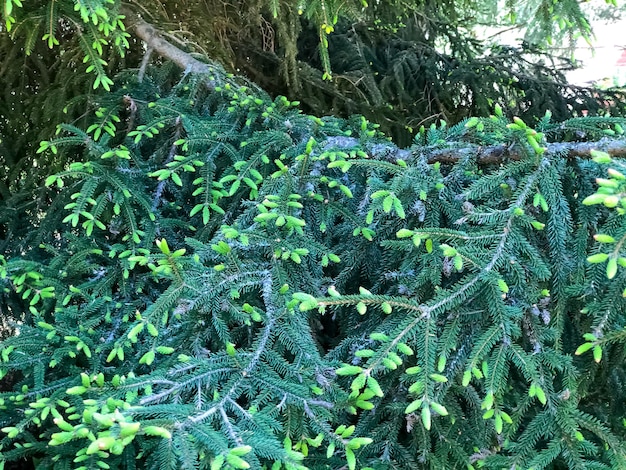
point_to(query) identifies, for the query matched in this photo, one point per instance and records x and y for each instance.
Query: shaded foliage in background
(400, 66)
(402, 80)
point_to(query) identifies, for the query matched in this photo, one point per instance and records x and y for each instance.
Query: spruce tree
(221, 281)
(200, 275)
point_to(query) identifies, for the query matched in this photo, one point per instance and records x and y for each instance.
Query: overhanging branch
(157, 44)
(493, 154)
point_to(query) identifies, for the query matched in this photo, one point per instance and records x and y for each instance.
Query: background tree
(406, 65)
(199, 275)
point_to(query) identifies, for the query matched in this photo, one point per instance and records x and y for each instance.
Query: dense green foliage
(216, 280)
(196, 273)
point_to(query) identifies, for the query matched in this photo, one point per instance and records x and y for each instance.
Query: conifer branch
(155, 42)
(263, 341)
(502, 152)
(144, 64)
(484, 155)
(428, 309)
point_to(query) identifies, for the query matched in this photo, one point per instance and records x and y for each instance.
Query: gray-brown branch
(497, 153)
(157, 44)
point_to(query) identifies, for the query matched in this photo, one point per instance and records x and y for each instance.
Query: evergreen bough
(216, 280)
